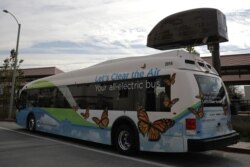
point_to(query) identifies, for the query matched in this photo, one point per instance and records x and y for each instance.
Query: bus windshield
(212, 90)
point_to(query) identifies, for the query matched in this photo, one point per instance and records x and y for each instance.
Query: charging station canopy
(203, 26)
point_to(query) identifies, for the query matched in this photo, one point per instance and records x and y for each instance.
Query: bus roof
(178, 59)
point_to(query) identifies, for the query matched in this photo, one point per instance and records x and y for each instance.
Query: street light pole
(15, 64)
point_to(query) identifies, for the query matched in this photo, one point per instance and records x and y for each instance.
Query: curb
(236, 150)
(7, 120)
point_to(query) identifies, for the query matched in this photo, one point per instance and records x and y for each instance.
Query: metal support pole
(215, 51)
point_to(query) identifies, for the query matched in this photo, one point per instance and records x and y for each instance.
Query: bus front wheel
(125, 140)
(31, 123)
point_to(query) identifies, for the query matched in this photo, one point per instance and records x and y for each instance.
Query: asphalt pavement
(20, 148)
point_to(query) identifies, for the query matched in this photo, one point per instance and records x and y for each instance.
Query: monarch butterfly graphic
(86, 114)
(152, 130)
(198, 113)
(169, 103)
(171, 80)
(103, 121)
(144, 66)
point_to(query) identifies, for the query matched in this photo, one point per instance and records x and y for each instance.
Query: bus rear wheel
(125, 140)
(31, 123)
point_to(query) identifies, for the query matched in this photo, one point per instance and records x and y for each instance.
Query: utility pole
(15, 64)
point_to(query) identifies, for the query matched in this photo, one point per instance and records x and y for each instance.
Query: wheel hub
(124, 140)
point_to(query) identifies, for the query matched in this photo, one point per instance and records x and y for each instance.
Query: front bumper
(212, 143)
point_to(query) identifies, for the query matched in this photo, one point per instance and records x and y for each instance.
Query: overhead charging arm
(202, 26)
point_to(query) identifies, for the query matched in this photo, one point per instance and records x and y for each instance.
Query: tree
(234, 92)
(192, 50)
(6, 72)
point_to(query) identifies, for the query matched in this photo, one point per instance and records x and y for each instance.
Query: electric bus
(167, 102)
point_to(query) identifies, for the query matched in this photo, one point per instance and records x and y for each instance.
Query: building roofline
(36, 68)
(231, 55)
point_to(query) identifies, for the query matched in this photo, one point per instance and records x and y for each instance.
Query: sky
(75, 34)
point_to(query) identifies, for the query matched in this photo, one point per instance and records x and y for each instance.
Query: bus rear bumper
(212, 143)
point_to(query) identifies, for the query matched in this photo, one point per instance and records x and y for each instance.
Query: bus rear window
(211, 90)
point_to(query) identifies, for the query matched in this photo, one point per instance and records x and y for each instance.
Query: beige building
(235, 69)
(31, 74)
(247, 92)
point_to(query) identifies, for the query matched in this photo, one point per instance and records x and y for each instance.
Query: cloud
(156, 147)
(239, 16)
(225, 49)
(56, 44)
(89, 135)
(108, 28)
(66, 62)
(48, 122)
(91, 45)
(94, 136)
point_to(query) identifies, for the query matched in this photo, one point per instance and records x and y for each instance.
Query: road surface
(20, 148)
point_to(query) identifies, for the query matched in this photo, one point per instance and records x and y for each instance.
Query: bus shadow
(204, 159)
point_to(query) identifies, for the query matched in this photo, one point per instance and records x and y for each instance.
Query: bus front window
(21, 102)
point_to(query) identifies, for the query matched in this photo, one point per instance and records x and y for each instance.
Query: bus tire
(31, 123)
(125, 140)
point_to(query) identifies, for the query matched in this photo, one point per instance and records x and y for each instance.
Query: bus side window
(59, 100)
(162, 91)
(32, 98)
(150, 94)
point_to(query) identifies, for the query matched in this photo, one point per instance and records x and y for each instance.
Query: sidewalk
(240, 147)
